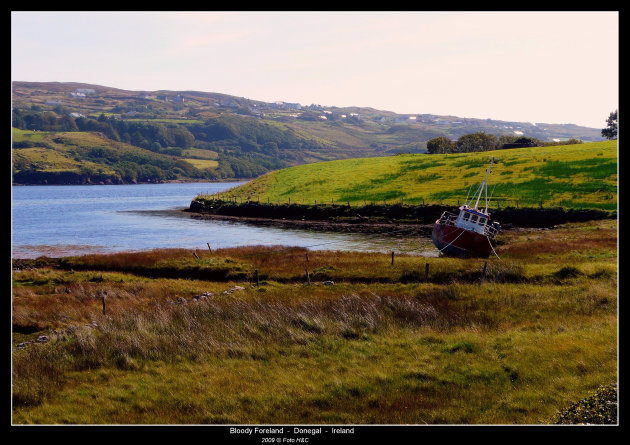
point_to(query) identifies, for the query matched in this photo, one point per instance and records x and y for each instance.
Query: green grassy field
(380, 345)
(202, 164)
(571, 176)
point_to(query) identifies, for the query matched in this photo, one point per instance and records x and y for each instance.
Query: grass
(197, 153)
(202, 164)
(572, 176)
(538, 334)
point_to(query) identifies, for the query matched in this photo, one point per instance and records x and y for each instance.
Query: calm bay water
(69, 220)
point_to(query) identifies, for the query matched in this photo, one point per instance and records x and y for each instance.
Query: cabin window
(473, 219)
(482, 221)
(466, 216)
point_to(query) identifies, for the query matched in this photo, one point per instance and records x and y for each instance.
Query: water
(70, 220)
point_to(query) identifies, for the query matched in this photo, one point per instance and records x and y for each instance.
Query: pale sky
(552, 67)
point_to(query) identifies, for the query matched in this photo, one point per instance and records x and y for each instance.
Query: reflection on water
(68, 220)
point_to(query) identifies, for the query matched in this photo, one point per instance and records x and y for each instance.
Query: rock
(203, 296)
(328, 283)
(234, 289)
(42, 339)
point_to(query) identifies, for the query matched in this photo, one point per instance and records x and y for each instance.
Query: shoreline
(319, 226)
(172, 181)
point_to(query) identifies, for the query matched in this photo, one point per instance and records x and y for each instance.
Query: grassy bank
(571, 176)
(534, 335)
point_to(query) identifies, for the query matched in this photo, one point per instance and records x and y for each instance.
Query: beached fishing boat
(471, 232)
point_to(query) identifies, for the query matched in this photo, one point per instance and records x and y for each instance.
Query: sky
(551, 67)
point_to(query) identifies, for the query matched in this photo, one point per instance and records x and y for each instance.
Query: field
(571, 176)
(383, 343)
(202, 164)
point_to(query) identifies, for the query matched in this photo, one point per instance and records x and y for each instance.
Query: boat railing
(448, 219)
(490, 231)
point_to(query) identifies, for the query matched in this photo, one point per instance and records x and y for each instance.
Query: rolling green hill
(88, 157)
(245, 137)
(571, 176)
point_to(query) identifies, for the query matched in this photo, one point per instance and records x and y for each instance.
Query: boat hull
(455, 241)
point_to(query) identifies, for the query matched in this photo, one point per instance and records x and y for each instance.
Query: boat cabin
(472, 219)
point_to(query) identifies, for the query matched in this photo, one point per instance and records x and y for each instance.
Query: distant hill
(571, 176)
(223, 136)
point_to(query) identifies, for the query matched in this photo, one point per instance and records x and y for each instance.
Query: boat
(471, 232)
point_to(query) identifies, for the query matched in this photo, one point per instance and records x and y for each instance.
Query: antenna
(484, 183)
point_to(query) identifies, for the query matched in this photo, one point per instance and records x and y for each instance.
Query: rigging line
(460, 234)
(491, 195)
(494, 251)
(315, 245)
(467, 194)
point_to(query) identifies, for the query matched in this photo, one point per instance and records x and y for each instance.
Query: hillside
(88, 157)
(246, 138)
(571, 176)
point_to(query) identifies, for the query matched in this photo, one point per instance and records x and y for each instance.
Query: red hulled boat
(471, 232)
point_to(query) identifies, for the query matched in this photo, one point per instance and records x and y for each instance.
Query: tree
(440, 145)
(610, 132)
(479, 141)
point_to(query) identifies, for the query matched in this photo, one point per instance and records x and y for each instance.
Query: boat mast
(484, 185)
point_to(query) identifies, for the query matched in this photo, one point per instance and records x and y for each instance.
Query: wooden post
(308, 277)
(257, 279)
(426, 272)
(483, 273)
(195, 253)
(307, 257)
(392, 258)
(103, 298)
(209, 248)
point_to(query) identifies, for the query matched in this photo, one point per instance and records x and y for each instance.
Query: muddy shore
(321, 226)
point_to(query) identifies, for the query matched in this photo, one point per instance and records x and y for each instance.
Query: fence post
(392, 258)
(307, 257)
(308, 277)
(209, 248)
(483, 273)
(195, 254)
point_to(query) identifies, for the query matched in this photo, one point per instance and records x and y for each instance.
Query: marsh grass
(536, 334)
